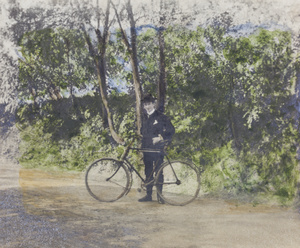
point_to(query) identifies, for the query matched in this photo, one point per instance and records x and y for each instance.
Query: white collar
(151, 112)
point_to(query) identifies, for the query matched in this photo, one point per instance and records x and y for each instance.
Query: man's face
(149, 107)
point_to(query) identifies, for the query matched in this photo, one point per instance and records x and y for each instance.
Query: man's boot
(146, 198)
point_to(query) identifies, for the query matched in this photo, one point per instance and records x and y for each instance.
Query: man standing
(157, 131)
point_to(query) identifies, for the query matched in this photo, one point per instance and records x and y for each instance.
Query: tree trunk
(162, 85)
(99, 59)
(132, 49)
(135, 69)
(103, 93)
(102, 71)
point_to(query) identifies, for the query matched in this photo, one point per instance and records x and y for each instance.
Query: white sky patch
(283, 12)
(118, 84)
(208, 48)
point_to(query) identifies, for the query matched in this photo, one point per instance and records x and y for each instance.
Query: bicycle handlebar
(129, 147)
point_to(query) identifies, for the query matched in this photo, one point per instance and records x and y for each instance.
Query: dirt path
(53, 209)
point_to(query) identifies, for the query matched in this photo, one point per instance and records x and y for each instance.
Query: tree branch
(124, 37)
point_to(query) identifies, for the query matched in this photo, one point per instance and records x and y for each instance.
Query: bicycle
(109, 179)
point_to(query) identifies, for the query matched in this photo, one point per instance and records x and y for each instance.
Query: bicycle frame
(171, 171)
(131, 167)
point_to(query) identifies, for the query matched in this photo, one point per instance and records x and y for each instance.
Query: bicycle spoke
(107, 180)
(118, 184)
(181, 183)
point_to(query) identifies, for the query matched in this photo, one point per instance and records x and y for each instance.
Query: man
(157, 131)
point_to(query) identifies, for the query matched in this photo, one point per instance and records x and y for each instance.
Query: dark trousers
(153, 162)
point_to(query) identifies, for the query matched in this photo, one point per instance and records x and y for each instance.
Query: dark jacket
(154, 125)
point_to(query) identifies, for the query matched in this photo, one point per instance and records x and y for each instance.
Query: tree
(99, 59)
(168, 13)
(53, 62)
(132, 49)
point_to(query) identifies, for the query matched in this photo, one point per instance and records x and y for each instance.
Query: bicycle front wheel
(181, 184)
(107, 180)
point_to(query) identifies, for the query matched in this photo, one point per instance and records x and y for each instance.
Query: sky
(257, 12)
(246, 14)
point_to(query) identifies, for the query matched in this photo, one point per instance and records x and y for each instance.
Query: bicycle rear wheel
(107, 180)
(181, 183)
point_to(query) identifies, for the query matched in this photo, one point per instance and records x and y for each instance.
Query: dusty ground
(53, 209)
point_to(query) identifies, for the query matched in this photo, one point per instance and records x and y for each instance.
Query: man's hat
(148, 98)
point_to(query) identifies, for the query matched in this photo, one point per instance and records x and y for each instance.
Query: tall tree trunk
(103, 93)
(99, 59)
(132, 49)
(135, 69)
(102, 71)
(162, 85)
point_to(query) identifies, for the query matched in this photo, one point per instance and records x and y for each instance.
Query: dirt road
(53, 209)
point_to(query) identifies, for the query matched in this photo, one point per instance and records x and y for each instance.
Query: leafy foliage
(53, 61)
(59, 137)
(229, 98)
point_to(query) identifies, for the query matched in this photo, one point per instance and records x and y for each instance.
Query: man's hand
(158, 139)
